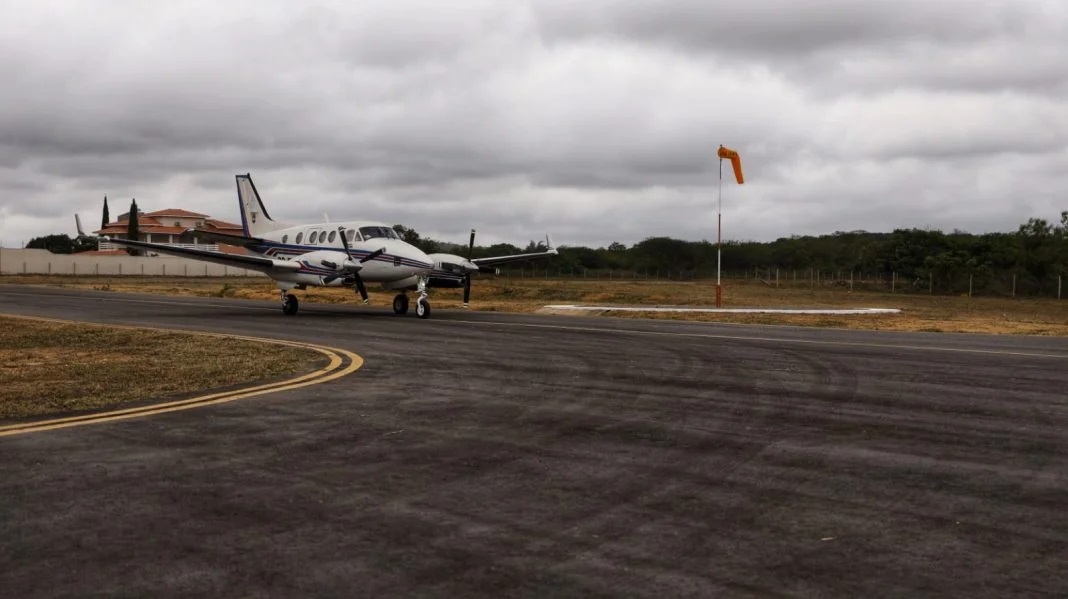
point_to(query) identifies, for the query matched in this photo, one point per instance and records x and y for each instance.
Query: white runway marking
(834, 311)
(785, 340)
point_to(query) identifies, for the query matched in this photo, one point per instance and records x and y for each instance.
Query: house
(173, 226)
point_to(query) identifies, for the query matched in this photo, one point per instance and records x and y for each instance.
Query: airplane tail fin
(254, 218)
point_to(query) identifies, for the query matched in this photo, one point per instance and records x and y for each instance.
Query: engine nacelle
(331, 260)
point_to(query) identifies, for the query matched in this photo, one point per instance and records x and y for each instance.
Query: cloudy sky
(597, 121)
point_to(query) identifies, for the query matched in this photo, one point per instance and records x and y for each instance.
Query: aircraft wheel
(400, 304)
(290, 305)
(422, 308)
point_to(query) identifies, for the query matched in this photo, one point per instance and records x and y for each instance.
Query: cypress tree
(106, 217)
(132, 231)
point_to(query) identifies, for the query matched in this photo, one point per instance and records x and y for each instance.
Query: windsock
(736, 162)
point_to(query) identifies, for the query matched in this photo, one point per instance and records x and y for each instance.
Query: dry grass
(51, 368)
(921, 312)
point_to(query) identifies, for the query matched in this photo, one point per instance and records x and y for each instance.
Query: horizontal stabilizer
(227, 238)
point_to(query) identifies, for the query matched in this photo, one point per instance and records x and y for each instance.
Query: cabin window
(300, 236)
(315, 237)
(351, 233)
(332, 234)
(285, 238)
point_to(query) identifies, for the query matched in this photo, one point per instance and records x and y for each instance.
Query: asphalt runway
(484, 454)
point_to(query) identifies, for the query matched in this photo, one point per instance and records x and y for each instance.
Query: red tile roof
(179, 212)
(221, 224)
(149, 222)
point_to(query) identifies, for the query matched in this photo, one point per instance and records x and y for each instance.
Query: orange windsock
(736, 162)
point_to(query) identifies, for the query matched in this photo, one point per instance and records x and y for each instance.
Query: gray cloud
(597, 121)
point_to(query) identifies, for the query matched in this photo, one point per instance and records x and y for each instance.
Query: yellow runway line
(333, 370)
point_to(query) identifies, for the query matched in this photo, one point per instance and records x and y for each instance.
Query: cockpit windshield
(372, 232)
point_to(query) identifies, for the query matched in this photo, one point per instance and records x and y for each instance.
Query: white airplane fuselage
(320, 252)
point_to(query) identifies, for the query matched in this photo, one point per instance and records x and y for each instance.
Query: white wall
(23, 261)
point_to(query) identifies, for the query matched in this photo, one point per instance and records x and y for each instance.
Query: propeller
(467, 274)
(355, 277)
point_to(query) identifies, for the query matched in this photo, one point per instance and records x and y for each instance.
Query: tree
(105, 218)
(412, 236)
(132, 231)
(57, 244)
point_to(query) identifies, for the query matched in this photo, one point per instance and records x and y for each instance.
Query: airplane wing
(260, 263)
(238, 240)
(495, 260)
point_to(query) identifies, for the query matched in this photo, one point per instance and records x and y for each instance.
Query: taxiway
(485, 454)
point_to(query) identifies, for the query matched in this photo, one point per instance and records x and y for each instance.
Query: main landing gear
(289, 303)
(400, 304)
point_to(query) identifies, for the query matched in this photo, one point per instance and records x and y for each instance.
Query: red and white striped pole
(719, 237)
(736, 162)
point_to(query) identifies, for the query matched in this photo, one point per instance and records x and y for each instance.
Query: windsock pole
(719, 237)
(736, 163)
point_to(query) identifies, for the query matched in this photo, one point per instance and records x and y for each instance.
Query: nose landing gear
(422, 305)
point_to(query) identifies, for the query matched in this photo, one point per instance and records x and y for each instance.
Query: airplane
(351, 253)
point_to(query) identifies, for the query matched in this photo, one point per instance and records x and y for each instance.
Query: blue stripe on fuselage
(275, 249)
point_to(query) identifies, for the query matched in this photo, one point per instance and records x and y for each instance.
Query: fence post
(776, 278)
(851, 280)
(1014, 285)
(1058, 286)
(930, 283)
(893, 282)
(969, 284)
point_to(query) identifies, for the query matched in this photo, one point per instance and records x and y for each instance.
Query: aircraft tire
(400, 304)
(290, 305)
(422, 308)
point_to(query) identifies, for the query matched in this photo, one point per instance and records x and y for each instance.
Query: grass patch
(921, 312)
(53, 368)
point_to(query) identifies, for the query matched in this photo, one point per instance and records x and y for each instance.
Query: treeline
(1027, 260)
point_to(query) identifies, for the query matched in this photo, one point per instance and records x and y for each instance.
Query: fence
(983, 283)
(999, 284)
(43, 262)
